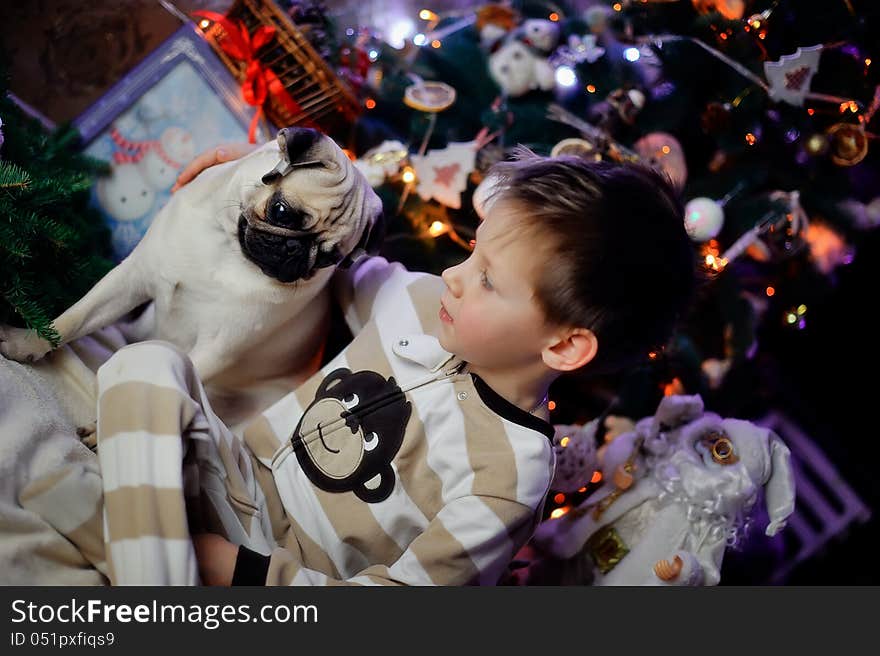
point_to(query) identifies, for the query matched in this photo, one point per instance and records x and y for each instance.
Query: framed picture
(176, 103)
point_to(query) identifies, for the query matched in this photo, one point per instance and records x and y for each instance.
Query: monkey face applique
(351, 432)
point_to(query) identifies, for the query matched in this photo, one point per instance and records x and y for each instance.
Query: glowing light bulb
(409, 176)
(204, 23)
(632, 54)
(565, 76)
(427, 14)
(420, 39)
(437, 228)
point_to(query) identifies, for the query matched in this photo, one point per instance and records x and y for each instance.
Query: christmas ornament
(703, 218)
(848, 142)
(443, 174)
(579, 50)
(383, 160)
(540, 33)
(663, 151)
(715, 119)
(596, 18)
(789, 78)
(429, 96)
(494, 21)
(577, 148)
(730, 9)
(576, 460)
(828, 249)
(518, 69)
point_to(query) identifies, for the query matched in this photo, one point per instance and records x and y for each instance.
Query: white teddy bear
(518, 69)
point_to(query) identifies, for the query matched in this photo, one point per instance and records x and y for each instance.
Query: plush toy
(676, 492)
(518, 68)
(540, 33)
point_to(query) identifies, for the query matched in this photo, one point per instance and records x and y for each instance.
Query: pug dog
(235, 268)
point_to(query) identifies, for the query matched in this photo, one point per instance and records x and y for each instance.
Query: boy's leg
(170, 467)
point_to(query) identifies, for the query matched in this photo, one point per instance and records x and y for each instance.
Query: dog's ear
(370, 242)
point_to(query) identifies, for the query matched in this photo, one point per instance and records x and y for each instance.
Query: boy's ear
(572, 350)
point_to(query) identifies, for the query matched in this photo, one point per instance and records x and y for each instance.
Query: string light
(551, 405)
(435, 43)
(409, 176)
(559, 512)
(564, 441)
(370, 103)
(427, 15)
(559, 498)
(597, 476)
(771, 291)
(632, 54)
(438, 228)
(420, 39)
(591, 88)
(617, 6)
(554, 17)
(751, 139)
(584, 489)
(204, 23)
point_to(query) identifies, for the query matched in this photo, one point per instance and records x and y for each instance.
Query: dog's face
(313, 211)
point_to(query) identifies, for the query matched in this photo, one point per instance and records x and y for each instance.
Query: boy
(422, 453)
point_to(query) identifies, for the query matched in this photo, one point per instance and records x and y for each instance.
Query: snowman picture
(140, 172)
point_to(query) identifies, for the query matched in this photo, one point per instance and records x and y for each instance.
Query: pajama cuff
(251, 568)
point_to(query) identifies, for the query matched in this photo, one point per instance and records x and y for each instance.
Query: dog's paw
(22, 344)
(88, 435)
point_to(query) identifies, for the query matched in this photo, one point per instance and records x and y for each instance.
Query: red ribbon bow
(259, 81)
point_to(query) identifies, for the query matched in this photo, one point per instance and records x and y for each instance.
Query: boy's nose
(450, 277)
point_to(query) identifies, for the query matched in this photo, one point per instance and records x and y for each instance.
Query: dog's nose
(295, 143)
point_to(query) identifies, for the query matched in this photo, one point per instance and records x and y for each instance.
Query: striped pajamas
(392, 465)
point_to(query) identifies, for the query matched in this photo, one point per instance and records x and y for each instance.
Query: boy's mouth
(444, 315)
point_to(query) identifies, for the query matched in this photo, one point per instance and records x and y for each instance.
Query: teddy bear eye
(371, 441)
(350, 401)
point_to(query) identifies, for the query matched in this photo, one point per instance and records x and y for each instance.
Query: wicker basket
(323, 100)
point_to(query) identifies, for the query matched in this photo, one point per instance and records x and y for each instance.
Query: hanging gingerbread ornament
(848, 143)
(790, 77)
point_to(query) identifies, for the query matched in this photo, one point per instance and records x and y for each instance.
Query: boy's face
(489, 314)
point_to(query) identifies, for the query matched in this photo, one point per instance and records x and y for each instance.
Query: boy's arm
(470, 541)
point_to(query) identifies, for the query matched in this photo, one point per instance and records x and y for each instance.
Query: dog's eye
(350, 401)
(371, 441)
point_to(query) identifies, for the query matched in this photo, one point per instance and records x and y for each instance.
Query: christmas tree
(53, 247)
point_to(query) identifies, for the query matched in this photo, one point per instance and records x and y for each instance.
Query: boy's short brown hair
(621, 261)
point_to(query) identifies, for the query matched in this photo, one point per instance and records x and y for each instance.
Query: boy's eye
(484, 279)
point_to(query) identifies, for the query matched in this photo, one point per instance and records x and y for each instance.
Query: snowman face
(178, 145)
(125, 195)
(157, 172)
(513, 67)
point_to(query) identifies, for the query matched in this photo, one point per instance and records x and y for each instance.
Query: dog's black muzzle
(283, 253)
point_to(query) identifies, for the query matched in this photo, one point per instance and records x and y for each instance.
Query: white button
(462, 396)
(403, 342)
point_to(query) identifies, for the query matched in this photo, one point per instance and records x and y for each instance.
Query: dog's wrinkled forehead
(300, 147)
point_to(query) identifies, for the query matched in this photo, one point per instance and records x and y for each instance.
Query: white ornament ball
(703, 218)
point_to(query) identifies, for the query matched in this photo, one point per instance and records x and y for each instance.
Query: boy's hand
(212, 156)
(216, 558)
